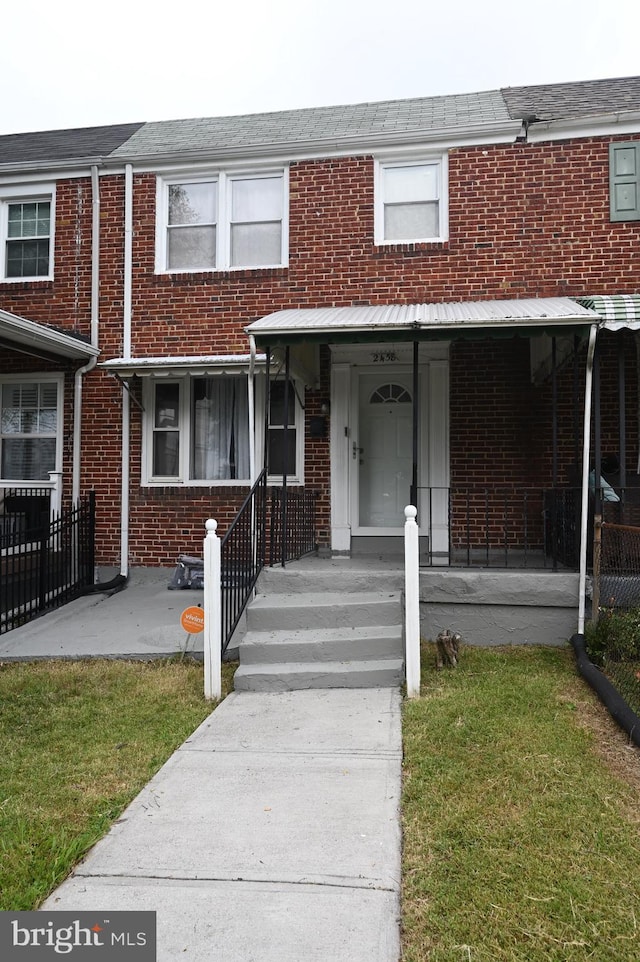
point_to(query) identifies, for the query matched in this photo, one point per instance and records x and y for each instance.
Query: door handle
(356, 451)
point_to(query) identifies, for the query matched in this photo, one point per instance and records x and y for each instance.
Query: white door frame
(347, 362)
(388, 373)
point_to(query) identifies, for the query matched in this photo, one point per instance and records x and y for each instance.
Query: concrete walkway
(271, 834)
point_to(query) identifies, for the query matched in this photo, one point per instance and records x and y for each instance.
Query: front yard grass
(521, 815)
(79, 741)
(520, 812)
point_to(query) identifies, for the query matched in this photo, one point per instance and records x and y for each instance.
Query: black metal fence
(505, 526)
(44, 562)
(273, 526)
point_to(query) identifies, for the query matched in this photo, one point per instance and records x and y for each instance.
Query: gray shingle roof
(316, 124)
(324, 125)
(57, 145)
(569, 101)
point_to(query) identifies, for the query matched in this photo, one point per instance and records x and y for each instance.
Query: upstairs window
(624, 181)
(26, 229)
(410, 202)
(222, 222)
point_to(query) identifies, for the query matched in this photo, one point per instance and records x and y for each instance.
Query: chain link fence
(613, 638)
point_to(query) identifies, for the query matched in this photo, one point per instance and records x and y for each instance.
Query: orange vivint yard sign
(192, 619)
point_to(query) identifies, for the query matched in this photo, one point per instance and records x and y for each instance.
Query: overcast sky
(73, 63)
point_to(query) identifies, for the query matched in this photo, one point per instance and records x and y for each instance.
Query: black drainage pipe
(116, 584)
(608, 695)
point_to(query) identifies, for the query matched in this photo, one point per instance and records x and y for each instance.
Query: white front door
(372, 442)
(382, 451)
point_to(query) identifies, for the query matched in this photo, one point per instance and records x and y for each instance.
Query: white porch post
(586, 438)
(412, 602)
(212, 614)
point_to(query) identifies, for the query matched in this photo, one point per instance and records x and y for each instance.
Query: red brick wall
(528, 220)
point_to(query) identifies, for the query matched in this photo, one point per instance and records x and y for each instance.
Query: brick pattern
(525, 220)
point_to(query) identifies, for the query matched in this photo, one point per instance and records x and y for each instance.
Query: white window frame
(298, 476)
(183, 479)
(148, 479)
(57, 379)
(441, 164)
(26, 194)
(224, 180)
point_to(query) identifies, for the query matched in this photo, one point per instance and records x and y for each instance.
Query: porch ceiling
(421, 321)
(28, 337)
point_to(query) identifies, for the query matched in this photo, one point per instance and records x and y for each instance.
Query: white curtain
(220, 429)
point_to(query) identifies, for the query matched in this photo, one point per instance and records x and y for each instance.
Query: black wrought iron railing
(272, 527)
(44, 562)
(502, 526)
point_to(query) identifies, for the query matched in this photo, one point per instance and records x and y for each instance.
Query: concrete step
(323, 610)
(327, 575)
(322, 645)
(385, 673)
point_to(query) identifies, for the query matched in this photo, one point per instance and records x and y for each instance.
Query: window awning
(28, 337)
(616, 310)
(196, 365)
(381, 322)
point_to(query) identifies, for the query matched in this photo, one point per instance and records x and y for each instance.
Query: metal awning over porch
(39, 340)
(419, 321)
(617, 311)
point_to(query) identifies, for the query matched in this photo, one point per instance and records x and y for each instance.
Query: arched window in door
(390, 394)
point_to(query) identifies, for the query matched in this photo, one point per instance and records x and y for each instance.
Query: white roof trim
(199, 364)
(25, 334)
(452, 317)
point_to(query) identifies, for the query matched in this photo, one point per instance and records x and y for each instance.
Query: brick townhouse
(401, 301)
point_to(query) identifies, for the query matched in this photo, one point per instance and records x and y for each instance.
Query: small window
(390, 394)
(29, 430)
(222, 222)
(624, 181)
(282, 443)
(410, 202)
(26, 229)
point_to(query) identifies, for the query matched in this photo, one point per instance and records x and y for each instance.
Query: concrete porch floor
(488, 606)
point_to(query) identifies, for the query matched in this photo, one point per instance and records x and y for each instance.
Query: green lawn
(79, 740)
(521, 818)
(520, 840)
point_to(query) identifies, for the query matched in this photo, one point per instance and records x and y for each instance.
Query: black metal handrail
(242, 557)
(271, 527)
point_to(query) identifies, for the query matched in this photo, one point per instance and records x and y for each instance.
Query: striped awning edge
(616, 310)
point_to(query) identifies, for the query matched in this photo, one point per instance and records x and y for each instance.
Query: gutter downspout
(586, 441)
(126, 344)
(95, 314)
(251, 398)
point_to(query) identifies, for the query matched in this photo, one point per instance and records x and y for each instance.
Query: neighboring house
(427, 272)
